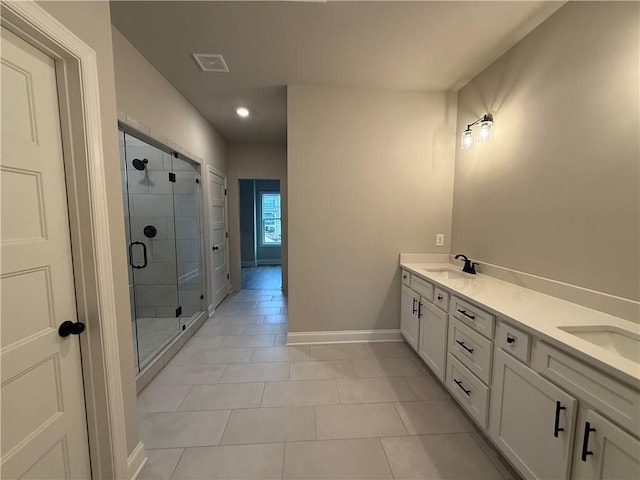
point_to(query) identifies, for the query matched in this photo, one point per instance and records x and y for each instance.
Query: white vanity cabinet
(532, 421)
(603, 450)
(433, 339)
(602, 447)
(422, 324)
(409, 320)
(558, 430)
(549, 409)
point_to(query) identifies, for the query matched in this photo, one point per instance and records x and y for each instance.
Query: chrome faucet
(469, 266)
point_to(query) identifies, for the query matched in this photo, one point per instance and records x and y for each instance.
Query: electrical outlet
(440, 240)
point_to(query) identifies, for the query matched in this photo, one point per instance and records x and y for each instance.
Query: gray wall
(247, 235)
(159, 110)
(370, 175)
(556, 191)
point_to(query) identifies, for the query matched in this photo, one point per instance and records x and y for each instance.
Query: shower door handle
(144, 253)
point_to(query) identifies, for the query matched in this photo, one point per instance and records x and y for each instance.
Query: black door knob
(69, 328)
(216, 248)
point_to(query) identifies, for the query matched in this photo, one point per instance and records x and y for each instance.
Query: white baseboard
(136, 461)
(344, 336)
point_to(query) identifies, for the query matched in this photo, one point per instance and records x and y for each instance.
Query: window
(271, 226)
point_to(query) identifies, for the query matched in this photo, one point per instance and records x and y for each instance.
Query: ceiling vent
(211, 62)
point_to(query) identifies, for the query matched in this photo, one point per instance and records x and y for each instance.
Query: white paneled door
(217, 224)
(44, 431)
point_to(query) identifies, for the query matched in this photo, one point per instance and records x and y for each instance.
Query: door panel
(43, 414)
(409, 322)
(218, 237)
(613, 453)
(524, 417)
(433, 339)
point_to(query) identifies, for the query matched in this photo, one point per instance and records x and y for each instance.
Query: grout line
(404, 425)
(264, 387)
(175, 467)
(315, 423)
(386, 457)
(225, 427)
(284, 456)
(185, 397)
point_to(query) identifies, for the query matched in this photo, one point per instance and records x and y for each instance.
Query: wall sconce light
(484, 133)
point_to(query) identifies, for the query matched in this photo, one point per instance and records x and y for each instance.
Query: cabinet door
(433, 339)
(532, 420)
(606, 452)
(409, 323)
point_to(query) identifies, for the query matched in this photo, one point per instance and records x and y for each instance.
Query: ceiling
(415, 45)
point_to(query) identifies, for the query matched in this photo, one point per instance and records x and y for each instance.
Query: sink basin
(447, 272)
(616, 340)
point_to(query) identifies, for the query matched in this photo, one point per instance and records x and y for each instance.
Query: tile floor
(261, 278)
(236, 403)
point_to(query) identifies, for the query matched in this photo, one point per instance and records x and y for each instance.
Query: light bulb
(242, 112)
(484, 133)
(467, 139)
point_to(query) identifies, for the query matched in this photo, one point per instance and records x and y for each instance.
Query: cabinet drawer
(424, 288)
(473, 316)
(441, 298)
(406, 277)
(471, 348)
(613, 399)
(470, 392)
(513, 341)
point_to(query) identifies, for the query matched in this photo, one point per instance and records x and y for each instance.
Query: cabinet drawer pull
(468, 315)
(414, 306)
(556, 425)
(511, 339)
(585, 441)
(404, 276)
(440, 297)
(419, 309)
(459, 383)
(470, 350)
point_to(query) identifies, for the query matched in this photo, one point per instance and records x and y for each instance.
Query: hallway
(235, 402)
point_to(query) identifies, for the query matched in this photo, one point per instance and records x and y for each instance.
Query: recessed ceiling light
(242, 112)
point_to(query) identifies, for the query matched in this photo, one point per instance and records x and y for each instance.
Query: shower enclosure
(162, 209)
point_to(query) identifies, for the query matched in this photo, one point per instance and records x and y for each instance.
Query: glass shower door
(187, 204)
(152, 247)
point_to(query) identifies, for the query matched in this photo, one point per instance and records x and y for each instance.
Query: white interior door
(44, 432)
(218, 237)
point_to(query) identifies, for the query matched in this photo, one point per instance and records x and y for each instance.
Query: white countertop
(538, 314)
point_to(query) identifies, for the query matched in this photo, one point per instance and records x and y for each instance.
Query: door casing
(78, 91)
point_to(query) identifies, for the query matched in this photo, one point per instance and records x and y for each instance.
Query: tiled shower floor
(236, 403)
